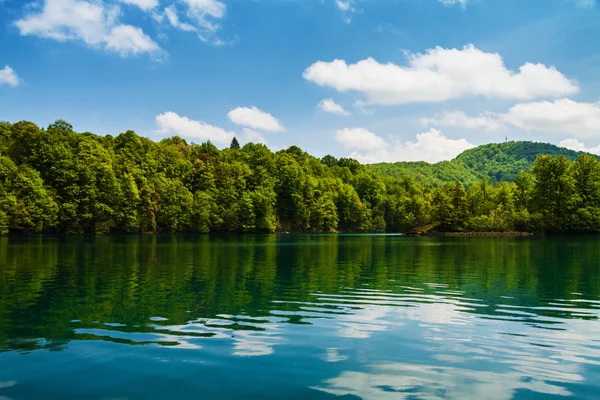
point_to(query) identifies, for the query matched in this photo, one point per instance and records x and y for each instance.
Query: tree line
(500, 162)
(55, 180)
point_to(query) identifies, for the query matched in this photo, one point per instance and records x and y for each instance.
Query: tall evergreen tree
(234, 144)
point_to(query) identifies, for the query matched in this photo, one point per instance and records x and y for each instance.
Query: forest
(500, 162)
(57, 181)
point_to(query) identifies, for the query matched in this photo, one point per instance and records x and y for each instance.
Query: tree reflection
(47, 283)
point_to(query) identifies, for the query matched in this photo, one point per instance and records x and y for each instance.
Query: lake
(299, 317)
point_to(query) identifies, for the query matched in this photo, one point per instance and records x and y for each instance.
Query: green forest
(500, 162)
(55, 180)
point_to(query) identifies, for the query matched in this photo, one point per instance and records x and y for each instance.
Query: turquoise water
(299, 317)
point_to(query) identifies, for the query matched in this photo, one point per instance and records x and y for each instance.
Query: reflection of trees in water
(45, 283)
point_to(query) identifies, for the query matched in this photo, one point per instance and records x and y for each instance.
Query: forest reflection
(181, 290)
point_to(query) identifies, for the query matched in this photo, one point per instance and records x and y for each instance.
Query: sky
(376, 80)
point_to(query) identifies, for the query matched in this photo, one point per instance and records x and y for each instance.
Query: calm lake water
(299, 317)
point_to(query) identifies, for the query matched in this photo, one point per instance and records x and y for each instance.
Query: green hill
(499, 161)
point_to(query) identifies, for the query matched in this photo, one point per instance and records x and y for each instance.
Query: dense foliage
(55, 180)
(500, 162)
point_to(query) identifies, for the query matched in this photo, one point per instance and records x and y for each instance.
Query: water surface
(299, 317)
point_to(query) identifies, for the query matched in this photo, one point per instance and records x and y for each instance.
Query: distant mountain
(499, 161)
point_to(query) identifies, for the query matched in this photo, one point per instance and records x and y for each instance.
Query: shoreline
(407, 234)
(482, 234)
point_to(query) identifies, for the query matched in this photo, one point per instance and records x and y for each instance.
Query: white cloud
(255, 118)
(170, 123)
(558, 116)
(462, 3)
(330, 106)
(563, 116)
(576, 145)
(347, 8)
(200, 16)
(171, 13)
(441, 74)
(8, 76)
(253, 136)
(95, 24)
(344, 5)
(127, 39)
(487, 121)
(360, 138)
(431, 146)
(203, 8)
(145, 5)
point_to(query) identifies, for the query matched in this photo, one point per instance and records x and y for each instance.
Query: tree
(60, 126)
(127, 211)
(234, 144)
(35, 210)
(458, 197)
(175, 206)
(329, 160)
(263, 203)
(354, 215)
(586, 173)
(523, 187)
(554, 192)
(442, 211)
(203, 213)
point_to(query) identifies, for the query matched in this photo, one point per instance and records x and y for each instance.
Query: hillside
(499, 161)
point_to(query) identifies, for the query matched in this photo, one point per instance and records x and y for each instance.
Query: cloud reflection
(250, 343)
(412, 381)
(472, 355)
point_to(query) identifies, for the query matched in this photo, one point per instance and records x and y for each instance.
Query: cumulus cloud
(127, 39)
(8, 77)
(199, 16)
(559, 116)
(562, 116)
(95, 24)
(430, 146)
(255, 118)
(330, 106)
(170, 124)
(441, 74)
(576, 145)
(254, 136)
(459, 119)
(145, 5)
(360, 138)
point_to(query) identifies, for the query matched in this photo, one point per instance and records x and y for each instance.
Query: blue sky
(379, 80)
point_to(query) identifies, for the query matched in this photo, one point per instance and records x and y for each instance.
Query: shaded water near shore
(299, 317)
